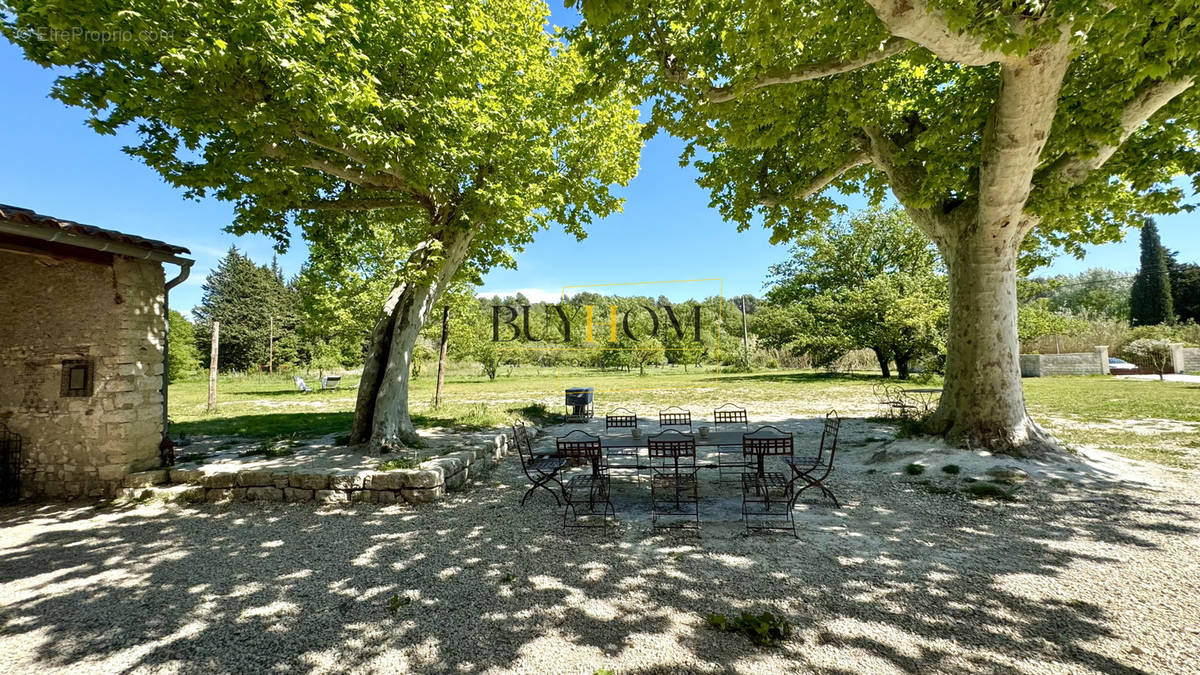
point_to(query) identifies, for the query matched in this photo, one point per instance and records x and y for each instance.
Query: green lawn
(1101, 411)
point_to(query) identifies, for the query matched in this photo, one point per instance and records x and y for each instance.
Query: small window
(77, 377)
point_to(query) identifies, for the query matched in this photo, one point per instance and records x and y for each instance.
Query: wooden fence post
(441, 376)
(212, 368)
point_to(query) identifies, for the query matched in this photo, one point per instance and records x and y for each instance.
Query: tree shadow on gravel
(897, 579)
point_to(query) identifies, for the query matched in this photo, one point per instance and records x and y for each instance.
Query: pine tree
(1150, 298)
(252, 302)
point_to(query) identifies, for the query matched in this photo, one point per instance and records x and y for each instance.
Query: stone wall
(428, 482)
(1190, 360)
(1048, 365)
(107, 309)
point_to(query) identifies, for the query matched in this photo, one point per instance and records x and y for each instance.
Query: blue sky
(56, 165)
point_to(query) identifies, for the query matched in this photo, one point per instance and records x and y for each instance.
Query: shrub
(952, 469)
(1152, 354)
(914, 469)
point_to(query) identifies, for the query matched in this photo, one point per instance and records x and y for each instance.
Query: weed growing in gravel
(762, 629)
(273, 448)
(604, 671)
(914, 469)
(952, 469)
(396, 602)
(981, 490)
(935, 489)
(342, 441)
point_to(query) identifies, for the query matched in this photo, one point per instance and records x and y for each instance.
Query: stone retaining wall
(1047, 365)
(427, 483)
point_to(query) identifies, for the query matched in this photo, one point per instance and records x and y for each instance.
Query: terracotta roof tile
(16, 214)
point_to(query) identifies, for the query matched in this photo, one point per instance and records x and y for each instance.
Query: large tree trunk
(982, 404)
(882, 357)
(381, 417)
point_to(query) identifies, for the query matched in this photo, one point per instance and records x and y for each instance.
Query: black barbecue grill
(579, 404)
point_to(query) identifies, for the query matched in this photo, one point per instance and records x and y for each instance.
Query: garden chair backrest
(767, 441)
(617, 420)
(829, 436)
(579, 445)
(674, 417)
(730, 414)
(671, 443)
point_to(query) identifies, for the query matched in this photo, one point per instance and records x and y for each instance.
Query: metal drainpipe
(185, 268)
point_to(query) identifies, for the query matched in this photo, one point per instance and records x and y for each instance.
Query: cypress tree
(1150, 298)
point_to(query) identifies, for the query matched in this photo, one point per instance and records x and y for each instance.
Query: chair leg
(543, 484)
(820, 485)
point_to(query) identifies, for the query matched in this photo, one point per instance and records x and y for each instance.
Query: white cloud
(532, 294)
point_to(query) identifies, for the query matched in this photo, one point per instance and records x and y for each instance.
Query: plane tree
(1002, 128)
(465, 122)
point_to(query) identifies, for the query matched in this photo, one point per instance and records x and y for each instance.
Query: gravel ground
(1097, 575)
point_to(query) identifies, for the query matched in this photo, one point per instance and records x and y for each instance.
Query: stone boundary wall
(429, 482)
(1189, 361)
(1048, 365)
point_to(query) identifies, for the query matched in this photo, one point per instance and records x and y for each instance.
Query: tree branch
(815, 187)
(354, 204)
(888, 49)
(354, 154)
(1016, 133)
(1149, 99)
(346, 173)
(914, 20)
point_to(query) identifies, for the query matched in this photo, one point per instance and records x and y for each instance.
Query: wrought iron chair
(674, 486)
(901, 404)
(814, 470)
(729, 459)
(766, 494)
(879, 391)
(539, 469)
(675, 417)
(586, 495)
(615, 420)
(622, 418)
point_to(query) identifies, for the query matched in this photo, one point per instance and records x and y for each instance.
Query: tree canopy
(1001, 128)
(468, 123)
(871, 281)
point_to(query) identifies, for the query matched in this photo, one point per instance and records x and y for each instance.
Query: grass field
(1156, 421)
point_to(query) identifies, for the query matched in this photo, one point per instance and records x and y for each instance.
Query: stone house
(82, 351)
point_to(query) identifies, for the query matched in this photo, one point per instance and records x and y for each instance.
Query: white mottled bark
(982, 403)
(381, 416)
